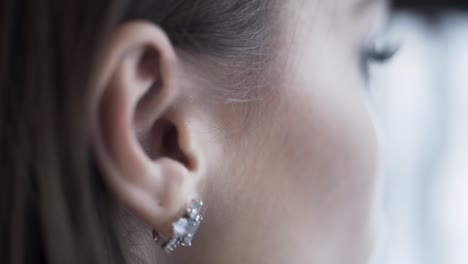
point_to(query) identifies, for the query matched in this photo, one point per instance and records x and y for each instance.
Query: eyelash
(379, 54)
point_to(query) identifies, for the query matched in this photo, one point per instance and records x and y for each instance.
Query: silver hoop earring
(183, 229)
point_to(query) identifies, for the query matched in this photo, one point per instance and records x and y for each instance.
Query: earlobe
(136, 135)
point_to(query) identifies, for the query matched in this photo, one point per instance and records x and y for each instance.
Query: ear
(141, 137)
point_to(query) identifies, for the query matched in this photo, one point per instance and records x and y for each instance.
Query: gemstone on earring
(194, 209)
(184, 229)
(187, 226)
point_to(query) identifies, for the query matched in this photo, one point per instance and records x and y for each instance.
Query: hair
(54, 206)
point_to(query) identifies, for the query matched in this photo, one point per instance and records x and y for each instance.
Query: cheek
(329, 139)
(327, 157)
(330, 142)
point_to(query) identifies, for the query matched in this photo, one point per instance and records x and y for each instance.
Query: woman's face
(297, 183)
(287, 176)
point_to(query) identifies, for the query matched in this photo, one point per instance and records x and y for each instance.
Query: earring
(183, 229)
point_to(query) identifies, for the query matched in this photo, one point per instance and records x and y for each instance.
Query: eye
(377, 52)
(381, 53)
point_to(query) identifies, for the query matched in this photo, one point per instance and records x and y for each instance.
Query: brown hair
(54, 207)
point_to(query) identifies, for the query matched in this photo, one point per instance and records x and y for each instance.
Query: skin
(287, 178)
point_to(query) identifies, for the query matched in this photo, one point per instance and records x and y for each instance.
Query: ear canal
(171, 147)
(163, 141)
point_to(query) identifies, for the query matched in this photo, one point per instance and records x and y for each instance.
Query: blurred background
(421, 98)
